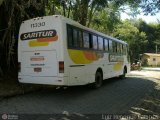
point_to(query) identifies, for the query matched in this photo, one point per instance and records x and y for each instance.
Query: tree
(79, 10)
(53, 7)
(157, 34)
(84, 10)
(12, 13)
(152, 32)
(106, 19)
(137, 40)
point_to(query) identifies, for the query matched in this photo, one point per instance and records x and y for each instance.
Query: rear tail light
(19, 67)
(61, 66)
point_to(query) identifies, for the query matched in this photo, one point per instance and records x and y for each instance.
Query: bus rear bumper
(49, 80)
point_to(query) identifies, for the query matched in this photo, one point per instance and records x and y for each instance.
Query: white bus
(56, 50)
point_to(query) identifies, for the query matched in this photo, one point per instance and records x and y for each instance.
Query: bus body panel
(47, 80)
(40, 50)
(39, 65)
(79, 68)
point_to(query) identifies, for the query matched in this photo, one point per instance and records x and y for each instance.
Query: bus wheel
(124, 73)
(98, 80)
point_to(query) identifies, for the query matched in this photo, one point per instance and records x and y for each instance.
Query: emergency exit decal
(40, 38)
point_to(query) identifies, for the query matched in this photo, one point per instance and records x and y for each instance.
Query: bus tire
(98, 80)
(124, 73)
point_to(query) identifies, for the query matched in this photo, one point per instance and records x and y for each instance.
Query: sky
(148, 19)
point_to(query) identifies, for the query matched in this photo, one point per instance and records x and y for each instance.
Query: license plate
(37, 69)
(37, 59)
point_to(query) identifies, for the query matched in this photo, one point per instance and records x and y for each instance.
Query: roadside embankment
(9, 86)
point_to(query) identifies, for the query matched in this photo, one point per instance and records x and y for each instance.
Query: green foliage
(152, 31)
(53, 7)
(157, 34)
(137, 40)
(83, 10)
(140, 36)
(106, 19)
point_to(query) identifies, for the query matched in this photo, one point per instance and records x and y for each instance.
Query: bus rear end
(40, 51)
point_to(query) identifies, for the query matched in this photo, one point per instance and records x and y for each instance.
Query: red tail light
(19, 67)
(61, 66)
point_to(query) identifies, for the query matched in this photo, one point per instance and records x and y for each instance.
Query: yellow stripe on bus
(78, 57)
(35, 43)
(118, 66)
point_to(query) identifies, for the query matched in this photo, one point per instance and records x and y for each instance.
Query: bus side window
(70, 36)
(95, 44)
(100, 43)
(105, 44)
(114, 46)
(75, 38)
(86, 40)
(80, 39)
(124, 49)
(118, 48)
(121, 49)
(110, 46)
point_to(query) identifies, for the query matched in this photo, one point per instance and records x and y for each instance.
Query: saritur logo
(38, 34)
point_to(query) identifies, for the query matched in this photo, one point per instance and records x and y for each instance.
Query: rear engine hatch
(39, 63)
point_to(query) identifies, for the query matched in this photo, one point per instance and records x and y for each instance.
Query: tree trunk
(84, 11)
(80, 11)
(3, 29)
(90, 16)
(12, 13)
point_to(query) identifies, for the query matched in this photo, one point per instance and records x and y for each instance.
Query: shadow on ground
(150, 104)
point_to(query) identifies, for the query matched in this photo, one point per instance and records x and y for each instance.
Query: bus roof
(76, 24)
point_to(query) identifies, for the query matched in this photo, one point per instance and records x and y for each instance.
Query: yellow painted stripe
(50, 39)
(118, 66)
(35, 43)
(78, 57)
